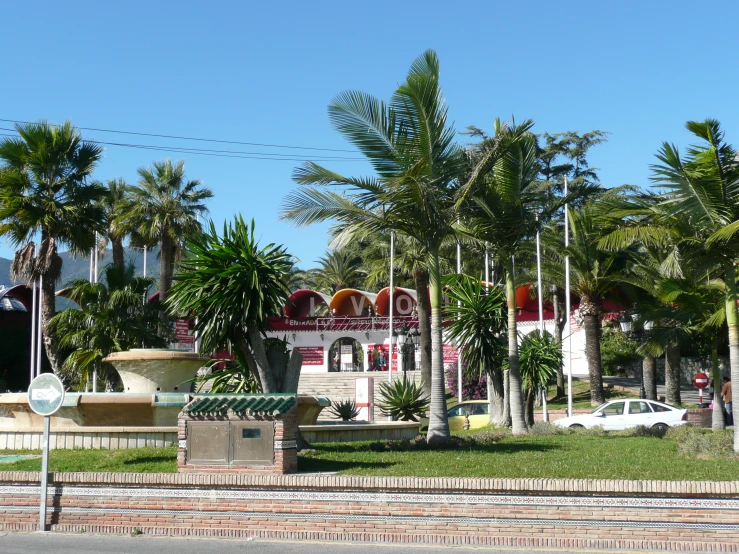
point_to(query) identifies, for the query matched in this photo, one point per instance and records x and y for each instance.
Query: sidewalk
(688, 393)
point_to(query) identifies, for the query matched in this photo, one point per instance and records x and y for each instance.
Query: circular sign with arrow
(46, 394)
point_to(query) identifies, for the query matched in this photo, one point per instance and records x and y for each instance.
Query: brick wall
(648, 515)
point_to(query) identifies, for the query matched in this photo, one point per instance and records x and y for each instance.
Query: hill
(79, 268)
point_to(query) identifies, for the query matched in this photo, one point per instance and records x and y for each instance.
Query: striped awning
(251, 404)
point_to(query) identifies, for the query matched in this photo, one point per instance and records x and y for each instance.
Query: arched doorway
(346, 354)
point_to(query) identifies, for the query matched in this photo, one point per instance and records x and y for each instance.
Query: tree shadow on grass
(316, 465)
(148, 460)
(502, 447)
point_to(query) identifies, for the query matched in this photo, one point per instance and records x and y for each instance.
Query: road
(57, 543)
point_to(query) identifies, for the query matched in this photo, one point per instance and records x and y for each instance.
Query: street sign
(45, 397)
(700, 380)
(46, 394)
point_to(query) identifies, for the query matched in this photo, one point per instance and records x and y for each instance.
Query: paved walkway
(56, 543)
(688, 393)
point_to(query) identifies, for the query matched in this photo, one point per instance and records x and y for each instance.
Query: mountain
(79, 268)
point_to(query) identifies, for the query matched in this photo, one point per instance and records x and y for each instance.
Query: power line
(216, 153)
(193, 138)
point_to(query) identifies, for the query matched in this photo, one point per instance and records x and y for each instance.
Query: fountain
(156, 385)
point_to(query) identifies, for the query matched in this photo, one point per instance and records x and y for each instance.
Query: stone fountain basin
(118, 410)
(152, 371)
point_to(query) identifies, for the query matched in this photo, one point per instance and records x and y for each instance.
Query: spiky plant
(345, 410)
(403, 400)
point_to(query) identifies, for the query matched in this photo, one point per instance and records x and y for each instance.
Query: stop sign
(700, 380)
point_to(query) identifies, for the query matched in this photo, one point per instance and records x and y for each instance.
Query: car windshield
(599, 407)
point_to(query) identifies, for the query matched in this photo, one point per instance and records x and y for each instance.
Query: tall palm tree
(704, 187)
(164, 210)
(337, 270)
(411, 148)
(116, 204)
(500, 209)
(594, 275)
(44, 195)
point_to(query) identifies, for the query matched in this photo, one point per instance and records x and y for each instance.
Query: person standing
(375, 359)
(726, 395)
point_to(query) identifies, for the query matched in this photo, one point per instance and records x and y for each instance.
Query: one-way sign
(46, 394)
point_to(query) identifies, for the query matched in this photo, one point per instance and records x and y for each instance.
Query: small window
(456, 410)
(617, 408)
(639, 408)
(248, 433)
(659, 407)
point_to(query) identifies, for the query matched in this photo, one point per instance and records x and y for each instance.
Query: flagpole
(459, 349)
(568, 308)
(390, 321)
(541, 312)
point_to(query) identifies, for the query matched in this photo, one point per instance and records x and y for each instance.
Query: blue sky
(264, 72)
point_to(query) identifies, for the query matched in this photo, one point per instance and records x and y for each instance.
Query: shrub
(596, 431)
(702, 443)
(345, 410)
(546, 429)
(474, 387)
(403, 400)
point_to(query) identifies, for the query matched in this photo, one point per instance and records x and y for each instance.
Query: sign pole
(44, 475)
(45, 397)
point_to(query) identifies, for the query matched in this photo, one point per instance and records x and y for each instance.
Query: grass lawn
(581, 396)
(559, 456)
(135, 460)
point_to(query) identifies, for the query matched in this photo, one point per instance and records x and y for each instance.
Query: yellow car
(477, 411)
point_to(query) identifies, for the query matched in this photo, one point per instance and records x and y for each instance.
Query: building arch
(304, 303)
(405, 301)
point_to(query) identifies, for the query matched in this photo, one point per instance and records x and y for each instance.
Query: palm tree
(112, 319)
(704, 187)
(233, 285)
(418, 165)
(165, 207)
(477, 322)
(116, 205)
(44, 193)
(338, 270)
(500, 209)
(594, 274)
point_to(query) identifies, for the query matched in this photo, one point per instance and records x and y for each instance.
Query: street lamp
(402, 336)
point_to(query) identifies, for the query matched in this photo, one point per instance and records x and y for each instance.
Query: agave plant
(403, 400)
(345, 410)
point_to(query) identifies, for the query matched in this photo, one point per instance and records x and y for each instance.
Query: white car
(622, 414)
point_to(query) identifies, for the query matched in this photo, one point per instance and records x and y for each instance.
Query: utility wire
(192, 138)
(215, 153)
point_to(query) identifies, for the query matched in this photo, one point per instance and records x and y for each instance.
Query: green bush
(546, 429)
(702, 443)
(403, 400)
(617, 352)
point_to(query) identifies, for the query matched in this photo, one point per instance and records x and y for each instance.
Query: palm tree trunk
(717, 416)
(496, 399)
(649, 374)
(530, 400)
(506, 399)
(48, 310)
(166, 265)
(516, 397)
(732, 319)
(672, 373)
(557, 309)
(590, 312)
(438, 430)
(421, 279)
(118, 252)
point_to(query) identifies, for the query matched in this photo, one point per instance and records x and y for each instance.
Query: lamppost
(633, 328)
(407, 341)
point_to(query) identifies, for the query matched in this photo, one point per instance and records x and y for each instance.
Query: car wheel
(661, 427)
(577, 426)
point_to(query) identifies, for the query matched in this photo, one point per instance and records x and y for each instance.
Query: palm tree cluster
(49, 201)
(665, 257)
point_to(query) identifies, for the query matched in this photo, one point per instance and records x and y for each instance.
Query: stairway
(340, 385)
